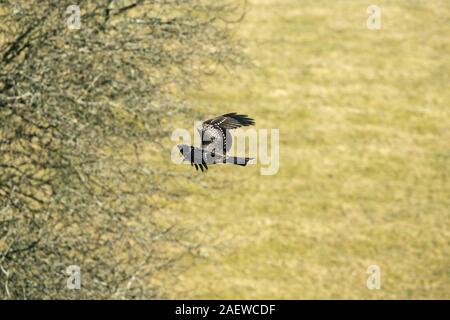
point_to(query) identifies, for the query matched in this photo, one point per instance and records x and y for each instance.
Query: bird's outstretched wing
(215, 132)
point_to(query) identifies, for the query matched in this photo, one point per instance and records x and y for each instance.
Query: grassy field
(364, 119)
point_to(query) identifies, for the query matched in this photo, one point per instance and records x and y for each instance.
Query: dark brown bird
(216, 141)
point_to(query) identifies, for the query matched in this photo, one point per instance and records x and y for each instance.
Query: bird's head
(184, 149)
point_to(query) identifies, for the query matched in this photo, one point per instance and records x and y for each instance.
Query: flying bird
(216, 142)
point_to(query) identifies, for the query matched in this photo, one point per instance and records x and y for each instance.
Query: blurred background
(364, 117)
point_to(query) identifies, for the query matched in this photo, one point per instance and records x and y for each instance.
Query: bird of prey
(216, 142)
(215, 133)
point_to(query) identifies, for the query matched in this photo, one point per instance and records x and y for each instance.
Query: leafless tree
(76, 107)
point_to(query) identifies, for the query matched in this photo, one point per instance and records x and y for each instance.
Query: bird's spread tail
(238, 160)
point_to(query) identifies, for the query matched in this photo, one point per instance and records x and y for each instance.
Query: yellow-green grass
(364, 119)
